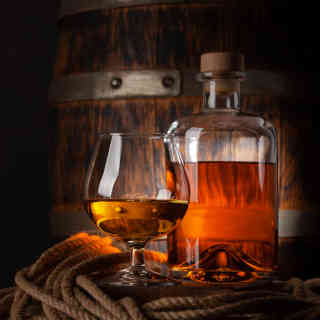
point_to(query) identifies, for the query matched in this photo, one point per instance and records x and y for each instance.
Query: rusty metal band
(116, 85)
(160, 83)
(71, 7)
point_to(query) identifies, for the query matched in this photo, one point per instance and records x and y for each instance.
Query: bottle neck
(221, 95)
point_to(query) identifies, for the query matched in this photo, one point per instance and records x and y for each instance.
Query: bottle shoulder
(223, 121)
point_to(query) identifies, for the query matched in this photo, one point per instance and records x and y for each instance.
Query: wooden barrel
(130, 65)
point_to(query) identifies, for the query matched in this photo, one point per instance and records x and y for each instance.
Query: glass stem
(137, 257)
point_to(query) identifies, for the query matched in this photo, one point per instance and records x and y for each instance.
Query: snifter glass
(136, 189)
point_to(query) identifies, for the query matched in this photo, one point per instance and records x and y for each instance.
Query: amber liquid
(137, 220)
(229, 233)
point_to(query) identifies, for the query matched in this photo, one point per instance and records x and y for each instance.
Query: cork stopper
(222, 62)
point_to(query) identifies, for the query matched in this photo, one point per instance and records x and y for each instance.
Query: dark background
(28, 43)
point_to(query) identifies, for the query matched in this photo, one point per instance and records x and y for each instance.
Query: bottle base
(221, 276)
(222, 264)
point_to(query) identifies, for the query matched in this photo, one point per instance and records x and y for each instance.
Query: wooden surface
(174, 36)
(295, 260)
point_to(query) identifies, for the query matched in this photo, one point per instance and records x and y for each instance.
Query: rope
(61, 285)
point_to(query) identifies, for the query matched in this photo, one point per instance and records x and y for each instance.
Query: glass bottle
(229, 233)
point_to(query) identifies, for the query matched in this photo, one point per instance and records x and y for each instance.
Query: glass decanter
(229, 233)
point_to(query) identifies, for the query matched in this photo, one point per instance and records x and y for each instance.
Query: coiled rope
(58, 286)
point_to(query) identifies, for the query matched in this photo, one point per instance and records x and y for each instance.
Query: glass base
(136, 276)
